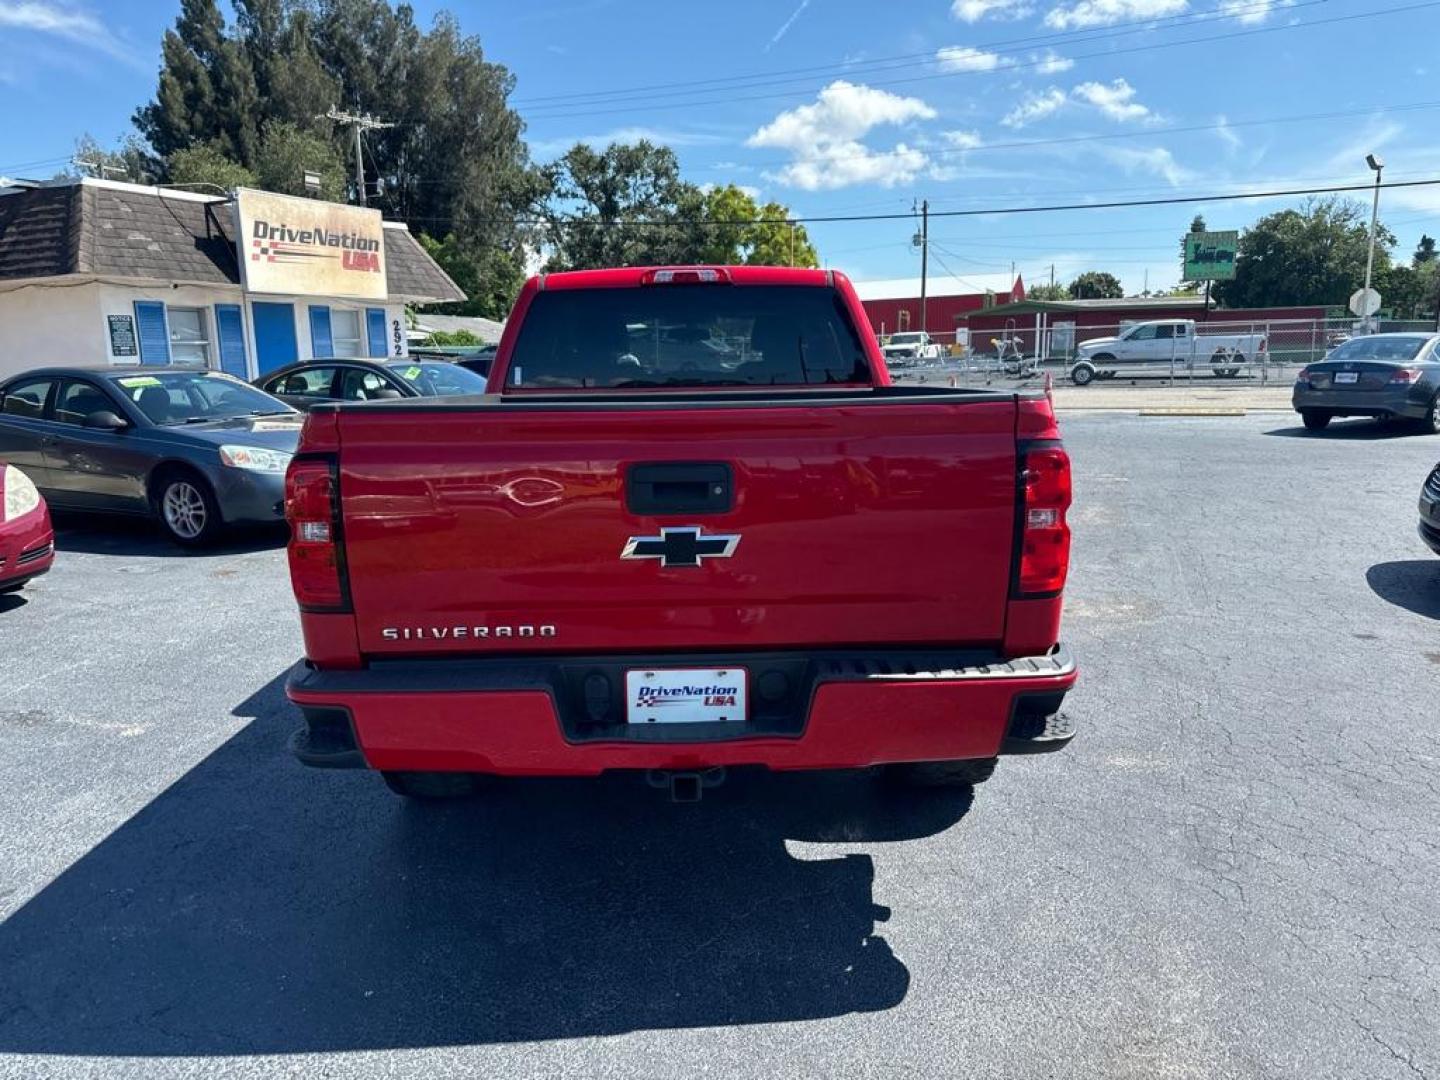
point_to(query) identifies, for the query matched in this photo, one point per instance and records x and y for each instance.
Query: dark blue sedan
(195, 449)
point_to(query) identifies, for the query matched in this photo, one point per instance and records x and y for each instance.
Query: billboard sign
(308, 247)
(1210, 256)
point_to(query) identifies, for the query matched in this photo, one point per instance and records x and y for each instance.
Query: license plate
(1346, 377)
(686, 695)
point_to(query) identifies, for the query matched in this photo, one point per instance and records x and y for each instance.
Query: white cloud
(1252, 12)
(1051, 63)
(70, 23)
(785, 26)
(1086, 13)
(1226, 134)
(974, 10)
(1035, 106)
(964, 58)
(1115, 100)
(824, 139)
(1155, 160)
(962, 140)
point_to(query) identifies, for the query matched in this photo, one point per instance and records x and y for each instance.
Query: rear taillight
(1405, 376)
(1044, 549)
(1304, 376)
(317, 558)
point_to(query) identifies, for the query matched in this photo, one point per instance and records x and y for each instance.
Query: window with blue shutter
(230, 329)
(322, 346)
(153, 333)
(375, 331)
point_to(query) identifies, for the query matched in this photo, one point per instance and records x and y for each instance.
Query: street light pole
(1378, 165)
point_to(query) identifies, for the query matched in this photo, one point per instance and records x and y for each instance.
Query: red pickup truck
(691, 525)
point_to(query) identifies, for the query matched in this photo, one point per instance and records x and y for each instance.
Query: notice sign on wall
(122, 335)
(309, 247)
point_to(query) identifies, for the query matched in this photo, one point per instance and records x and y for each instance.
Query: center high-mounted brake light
(317, 569)
(1044, 543)
(700, 275)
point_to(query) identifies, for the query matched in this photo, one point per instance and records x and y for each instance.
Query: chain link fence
(1244, 351)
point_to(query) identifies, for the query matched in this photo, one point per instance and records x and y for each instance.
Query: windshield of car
(439, 378)
(1399, 349)
(906, 339)
(687, 335)
(181, 397)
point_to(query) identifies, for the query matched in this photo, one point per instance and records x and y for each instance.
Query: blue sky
(854, 107)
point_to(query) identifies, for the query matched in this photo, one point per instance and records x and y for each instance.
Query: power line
(644, 105)
(671, 223)
(778, 76)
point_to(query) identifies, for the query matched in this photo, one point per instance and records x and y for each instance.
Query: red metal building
(894, 305)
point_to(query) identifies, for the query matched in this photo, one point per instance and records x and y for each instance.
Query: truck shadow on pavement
(116, 534)
(1413, 584)
(255, 907)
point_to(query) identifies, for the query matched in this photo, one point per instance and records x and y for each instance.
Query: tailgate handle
(679, 487)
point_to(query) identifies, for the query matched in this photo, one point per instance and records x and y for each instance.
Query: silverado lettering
(896, 602)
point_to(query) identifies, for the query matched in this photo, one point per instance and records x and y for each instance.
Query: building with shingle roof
(104, 272)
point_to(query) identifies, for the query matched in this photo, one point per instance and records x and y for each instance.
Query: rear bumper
(1386, 402)
(454, 716)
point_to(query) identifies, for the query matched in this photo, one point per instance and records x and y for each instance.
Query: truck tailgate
(501, 528)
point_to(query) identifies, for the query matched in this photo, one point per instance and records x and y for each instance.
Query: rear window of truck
(687, 335)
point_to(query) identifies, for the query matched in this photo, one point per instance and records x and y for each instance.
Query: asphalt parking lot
(1231, 873)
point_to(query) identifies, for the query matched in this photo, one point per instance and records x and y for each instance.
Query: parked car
(479, 360)
(195, 449)
(1161, 343)
(312, 381)
(27, 542)
(1387, 376)
(910, 347)
(652, 561)
(1430, 510)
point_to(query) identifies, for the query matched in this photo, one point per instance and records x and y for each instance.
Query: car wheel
(1430, 422)
(931, 774)
(1082, 374)
(1314, 419)
(187, 509)
(431, 786)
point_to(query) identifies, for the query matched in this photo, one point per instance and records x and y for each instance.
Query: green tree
(777, 241)
(286, 152)
(205, 164)
(1047, 292)
(207, 91)
(620, 206)
(1313, 255)
(1096, 285)
(129, 160)
(1425, 250)
(490, 277)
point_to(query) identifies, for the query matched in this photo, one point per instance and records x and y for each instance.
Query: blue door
(275, 342)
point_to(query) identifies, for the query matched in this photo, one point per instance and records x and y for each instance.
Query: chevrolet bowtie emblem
(684, 545)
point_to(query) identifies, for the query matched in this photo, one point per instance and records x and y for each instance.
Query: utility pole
(924, 258)
(1377, 165)
(357, 123)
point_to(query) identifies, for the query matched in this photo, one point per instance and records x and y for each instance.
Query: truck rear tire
(431, 786)
(933, 774)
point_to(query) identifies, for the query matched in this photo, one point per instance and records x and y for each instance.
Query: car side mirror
(105, 420)
(388, 394)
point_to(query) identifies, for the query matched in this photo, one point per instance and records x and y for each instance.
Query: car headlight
(255, 458)
(21, 497)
